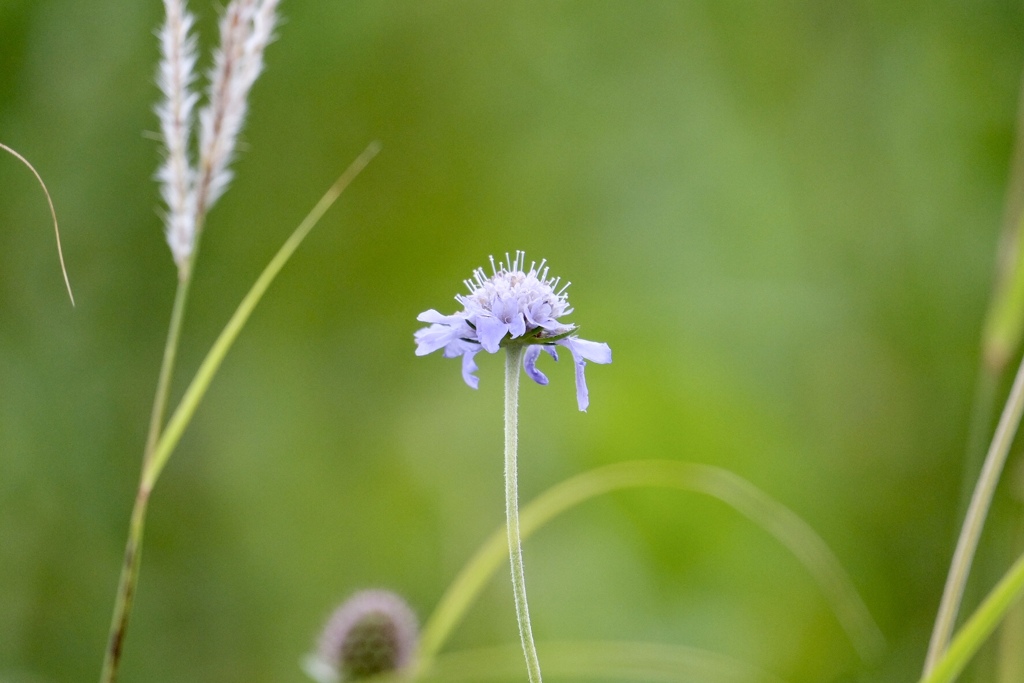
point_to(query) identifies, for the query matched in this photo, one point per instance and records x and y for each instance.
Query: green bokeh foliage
(781, 216)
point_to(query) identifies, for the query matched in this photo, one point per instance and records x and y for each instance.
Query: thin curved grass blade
(215, 356)
(53, 215)
(979, 627)
(746, 498)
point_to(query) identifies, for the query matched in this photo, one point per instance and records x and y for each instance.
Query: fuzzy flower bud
(373, 632)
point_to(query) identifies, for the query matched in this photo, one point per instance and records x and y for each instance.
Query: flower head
(511, 306)
(372, 632)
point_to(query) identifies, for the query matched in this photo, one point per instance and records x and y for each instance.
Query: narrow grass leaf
(731, 489)
(53, 215)
(182, 415)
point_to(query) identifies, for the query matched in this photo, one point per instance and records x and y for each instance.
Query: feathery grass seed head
(175, 76)
(189, 190)
(246, 29)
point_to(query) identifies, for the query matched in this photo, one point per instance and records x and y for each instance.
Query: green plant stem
(1001, 336)
(160, 445)
(731, 489)
(979, 627)
(133, 548)
(1000, 341)
(163, 385)
(979, 435)
(1010, 664)
(513, 361)
(979, 432)
(967, 543)
(125, 589)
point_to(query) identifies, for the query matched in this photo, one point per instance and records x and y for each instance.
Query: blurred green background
(783, 218)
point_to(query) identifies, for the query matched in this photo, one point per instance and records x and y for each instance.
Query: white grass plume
(246, 29)
(175, 111)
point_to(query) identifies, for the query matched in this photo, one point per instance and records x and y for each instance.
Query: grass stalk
(163, 385)
(163, 442)
(979, 627)
(1010, 662)
(967, 543)
(133, 547)
(513, 362)
(125, 589)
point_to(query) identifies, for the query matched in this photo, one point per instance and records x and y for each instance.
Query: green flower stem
(979, 627)
(967, 543)
(731, 489)
(133, 548)
(513, 362)
(125, 589)
(163, 385)
(1000, 340)
(163, 443)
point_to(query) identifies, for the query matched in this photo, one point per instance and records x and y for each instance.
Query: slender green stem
(160, 445)
(979, 432)
(1011, 656)
(163, 385)
(133, 547)
(979, 627)
(1010, 665)
(1001, 337)
(125, 589)
(513, 361)
(967, 543)
(731, 489)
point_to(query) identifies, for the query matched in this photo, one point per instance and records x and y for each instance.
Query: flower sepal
(533, 337)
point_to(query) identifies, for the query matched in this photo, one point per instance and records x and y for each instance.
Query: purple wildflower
(511, 306)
